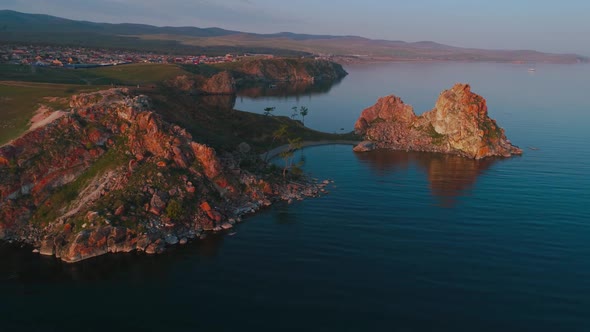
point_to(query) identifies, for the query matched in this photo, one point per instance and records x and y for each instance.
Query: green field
(18, 102)
(24, 88)
(141, 73)
(131, 74)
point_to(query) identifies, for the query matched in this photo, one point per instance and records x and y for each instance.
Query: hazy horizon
(520, 24)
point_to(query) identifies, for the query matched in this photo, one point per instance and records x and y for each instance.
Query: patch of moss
(437, 138)
(174, 210)
(491, 130)
(63, 196)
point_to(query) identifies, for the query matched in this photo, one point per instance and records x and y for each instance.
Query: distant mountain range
(17, 27)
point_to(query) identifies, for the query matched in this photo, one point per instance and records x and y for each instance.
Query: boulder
(364, 146)
(47, 247)
(142, 242)
(151, 249)
(171, 239)
(157, 204)
(244, 148)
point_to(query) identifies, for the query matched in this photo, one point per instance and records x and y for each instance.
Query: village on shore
(81, 57)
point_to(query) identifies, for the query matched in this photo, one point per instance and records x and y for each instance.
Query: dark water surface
(403, 242)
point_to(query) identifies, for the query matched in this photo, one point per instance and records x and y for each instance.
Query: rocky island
(459, 124)
(122, 169)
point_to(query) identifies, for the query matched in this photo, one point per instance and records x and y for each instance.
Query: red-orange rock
(94, 135)
(4, 161)
(132, 165)
(205, 207)
(267, 189)
(459, 124)
(222, 83)
(214, 215)
(206, 156)
(120, 210)
(54, 155)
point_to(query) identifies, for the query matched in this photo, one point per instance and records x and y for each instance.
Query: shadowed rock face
(219, 84)
(289, 70)
(458, 124)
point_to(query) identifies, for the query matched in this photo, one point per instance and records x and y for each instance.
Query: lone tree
(278, 135)
(295, 112)
(287, 155)
(303, 111)
(269, 110)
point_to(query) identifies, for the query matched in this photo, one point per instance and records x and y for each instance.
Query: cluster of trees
(301, 111)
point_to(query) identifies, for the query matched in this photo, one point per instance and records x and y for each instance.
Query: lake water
(403, 241)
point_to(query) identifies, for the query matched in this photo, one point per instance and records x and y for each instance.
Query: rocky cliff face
(221, 83)
(458, 124)
(111, 175)
(212, 80)
(290, 70)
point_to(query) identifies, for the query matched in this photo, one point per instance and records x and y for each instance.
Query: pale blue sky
(545, 25)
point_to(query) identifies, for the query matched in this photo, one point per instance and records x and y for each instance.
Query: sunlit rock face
(111, 175)
(458, 124)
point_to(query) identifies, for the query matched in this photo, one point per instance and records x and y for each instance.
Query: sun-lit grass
(19, 100)
(139, 73)
(130, 74)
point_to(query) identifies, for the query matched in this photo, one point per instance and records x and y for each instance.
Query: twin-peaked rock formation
(458, 124)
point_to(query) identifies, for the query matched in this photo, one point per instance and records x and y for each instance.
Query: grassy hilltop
(212, 119)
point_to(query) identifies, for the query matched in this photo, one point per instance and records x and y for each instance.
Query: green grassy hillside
(131, 74)
(20, 100)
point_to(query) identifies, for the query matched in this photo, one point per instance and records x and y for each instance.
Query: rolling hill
(16, 27)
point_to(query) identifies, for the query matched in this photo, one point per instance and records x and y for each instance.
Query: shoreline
(276, 151)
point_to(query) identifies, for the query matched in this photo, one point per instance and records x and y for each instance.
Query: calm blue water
(403, 241)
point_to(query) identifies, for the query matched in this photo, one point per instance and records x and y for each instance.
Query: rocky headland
(459, 124)
(226, 79)
(113, 175)
(289, 70)
(221, 83)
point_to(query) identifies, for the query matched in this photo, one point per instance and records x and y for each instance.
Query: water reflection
(287, 89)
(449, 176)
(21, 266)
